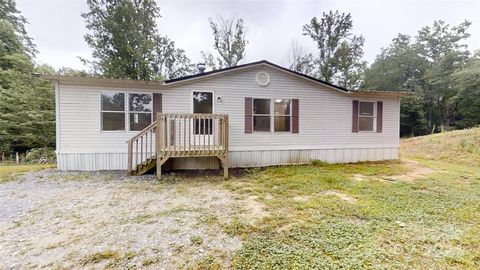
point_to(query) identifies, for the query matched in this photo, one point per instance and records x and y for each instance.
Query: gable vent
(263, 78)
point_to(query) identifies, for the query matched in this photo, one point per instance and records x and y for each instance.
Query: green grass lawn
(9, 170)
(355, 216)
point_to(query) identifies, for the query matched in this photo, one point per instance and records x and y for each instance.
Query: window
(263, 111)
(366, 116)
(281, 109)
(203, 103)
(113, 111)
(261, 114)
(140, 111)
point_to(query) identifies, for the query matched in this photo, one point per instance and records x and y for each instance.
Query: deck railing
(179, 135)
(141, 147)
(192, 135)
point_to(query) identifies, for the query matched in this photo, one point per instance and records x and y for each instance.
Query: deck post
(211, 140)
(129, 165)
(158, 145)
(224, 161)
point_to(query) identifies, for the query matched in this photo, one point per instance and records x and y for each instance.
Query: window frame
(124, 111)
(212, 128)
(374, 117)
(128, 109)
(271, 115)
(284, 115)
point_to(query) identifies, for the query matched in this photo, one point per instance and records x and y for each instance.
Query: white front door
(202, 129)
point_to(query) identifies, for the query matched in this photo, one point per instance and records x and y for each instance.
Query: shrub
(317, 162)
(38, 155)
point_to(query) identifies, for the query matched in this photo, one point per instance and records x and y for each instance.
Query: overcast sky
(58, 28)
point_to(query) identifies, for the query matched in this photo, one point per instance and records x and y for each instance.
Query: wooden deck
(179, 135)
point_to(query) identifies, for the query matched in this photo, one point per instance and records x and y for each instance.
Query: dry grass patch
(458, 147)
(340, 195)
(7, 172)
(416, 172)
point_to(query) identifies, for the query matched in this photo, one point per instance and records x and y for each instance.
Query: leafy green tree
(299, 60)
(66, 71)
(171, 62)
(123, 36)
(441, 45)
(467, 81)
(14, 64)
(26, 102)
(10, 14)
(400, 68)
(126, 43)
(339, 51)
(229, 42)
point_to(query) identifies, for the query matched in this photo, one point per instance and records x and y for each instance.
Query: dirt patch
(416, 171)
(340, 195)
(359, 177)
(302, 198)
(269, 197)
(253, 209)
(108, 220)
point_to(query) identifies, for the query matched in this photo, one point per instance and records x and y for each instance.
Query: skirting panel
(284, 157)
(91, 161)
(237, 159)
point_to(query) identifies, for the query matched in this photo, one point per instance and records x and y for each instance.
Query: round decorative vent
(263, 78)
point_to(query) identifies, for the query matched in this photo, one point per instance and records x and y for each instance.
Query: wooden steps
(144, 167)
(176, 136)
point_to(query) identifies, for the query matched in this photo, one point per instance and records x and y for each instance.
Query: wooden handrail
(143, 154)
(145, 130)
(179, 135)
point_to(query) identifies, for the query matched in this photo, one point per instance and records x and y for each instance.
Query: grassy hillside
(384, 215)
(456, 147)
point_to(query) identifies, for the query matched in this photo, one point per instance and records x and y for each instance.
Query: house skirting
(237, 159)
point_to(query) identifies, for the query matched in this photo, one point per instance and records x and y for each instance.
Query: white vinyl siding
(325, 119)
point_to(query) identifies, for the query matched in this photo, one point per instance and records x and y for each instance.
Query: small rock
(401, 224)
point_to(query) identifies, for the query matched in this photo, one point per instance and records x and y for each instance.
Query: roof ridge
(213, 72)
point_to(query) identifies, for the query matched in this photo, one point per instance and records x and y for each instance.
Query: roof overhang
(109, 82)
(73, 80)
(379, 93)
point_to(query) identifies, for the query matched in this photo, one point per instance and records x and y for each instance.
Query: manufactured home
(256, 114)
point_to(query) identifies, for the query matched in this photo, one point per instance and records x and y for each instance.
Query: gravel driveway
(51, 219)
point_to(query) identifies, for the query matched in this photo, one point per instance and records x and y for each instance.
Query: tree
(299, 60)
(229, 42)
(10, 14)
(126, 43)
(339, 51)
(66, 71)
(400, 68)
(441, 46)
(467, 83)
(171, 62)
(26, 102)
(123, 36)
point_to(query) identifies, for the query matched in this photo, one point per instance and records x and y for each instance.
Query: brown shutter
(157, 104)
(248, 115)
(355, 116)
(379, 116)
(295, 111)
